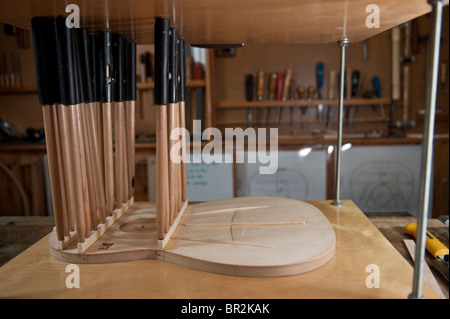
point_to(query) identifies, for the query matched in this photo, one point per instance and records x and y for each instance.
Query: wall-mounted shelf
(189, 84)
(290, 103)
(29, 89)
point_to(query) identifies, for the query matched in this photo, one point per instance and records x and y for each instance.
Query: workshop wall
(22, 110)
(230, 75)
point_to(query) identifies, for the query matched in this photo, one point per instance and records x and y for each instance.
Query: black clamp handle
(161, 60)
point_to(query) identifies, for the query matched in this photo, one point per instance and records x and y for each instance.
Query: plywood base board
(95, 234)
(247, 236)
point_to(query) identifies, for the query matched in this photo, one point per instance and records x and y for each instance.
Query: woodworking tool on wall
(415, 36)
(161, 100)
(249, 96)
(443, 76)
(366, 50)
(260, 94)
(406, 62)
(311, 92)
(285, 92)
(279, 93)
(301, 90)
(395, 76)
(377, 90)
(354, 90)
(331, 92)
(2, 70)
(272, 93)
(293, 96)
(438, 250)
(319, 78)
(16, 63)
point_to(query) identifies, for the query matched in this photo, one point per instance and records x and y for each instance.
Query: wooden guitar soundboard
(247, 236)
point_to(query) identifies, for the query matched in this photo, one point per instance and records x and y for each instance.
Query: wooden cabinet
(23, 181)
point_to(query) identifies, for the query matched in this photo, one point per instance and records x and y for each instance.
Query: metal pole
(427, 148)
(337, 202)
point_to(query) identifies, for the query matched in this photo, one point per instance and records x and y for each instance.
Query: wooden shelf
(290, 103)
(230, 21)
(29, 89)
(189, 84)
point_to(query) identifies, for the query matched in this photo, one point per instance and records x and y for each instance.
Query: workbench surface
(359, 244)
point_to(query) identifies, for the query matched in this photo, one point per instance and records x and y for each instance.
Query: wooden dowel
(178, 187)
(162, 173)
(81, 155)
(89, 167)
(98, 114)
(171, 164)
(183, 150)
(60, 169)
(182, 118)
(53, 169)
(118, 108)
(125, 158)
(81, 225)
(67, 159)
(108, 157)
(96, 161)
(161, 33)
(130, 119)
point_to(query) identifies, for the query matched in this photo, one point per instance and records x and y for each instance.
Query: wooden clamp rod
(161, 101)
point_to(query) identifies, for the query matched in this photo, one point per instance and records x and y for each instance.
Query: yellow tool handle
(433, 245)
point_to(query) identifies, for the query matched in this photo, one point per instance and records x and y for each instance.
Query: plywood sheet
(228, 21)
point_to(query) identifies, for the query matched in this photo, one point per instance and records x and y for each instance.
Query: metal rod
(337, 201)
(427, 148)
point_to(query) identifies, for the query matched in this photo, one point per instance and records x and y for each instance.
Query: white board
(297, 177)
(209, 181)
(382, 178)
